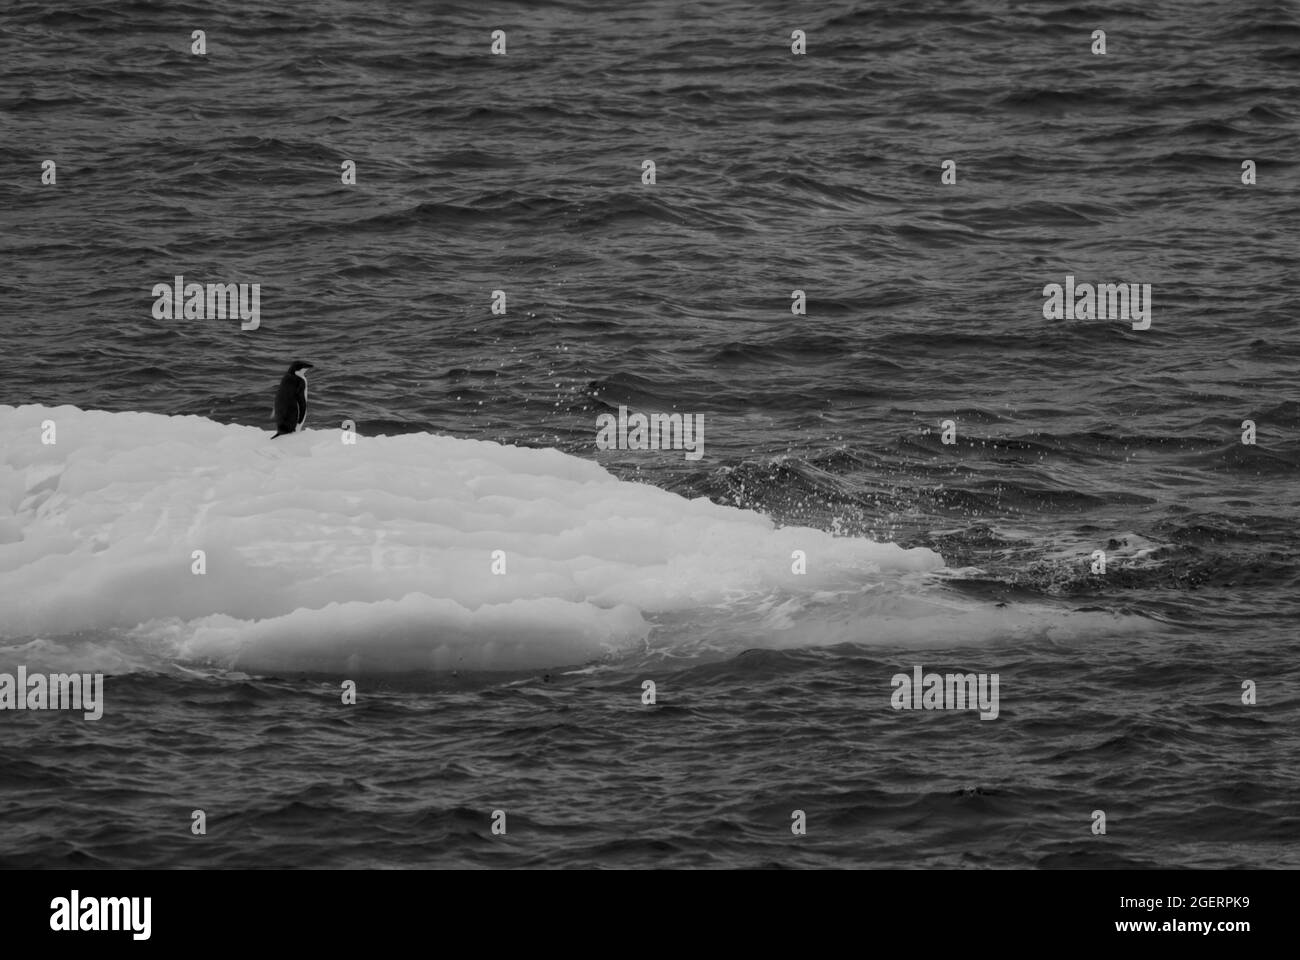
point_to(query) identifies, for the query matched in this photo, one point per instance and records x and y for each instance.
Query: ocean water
(824, 433)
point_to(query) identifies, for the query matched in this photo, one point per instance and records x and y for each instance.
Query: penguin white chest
(302, 422)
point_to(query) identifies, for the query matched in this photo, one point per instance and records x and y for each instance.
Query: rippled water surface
(774, 173)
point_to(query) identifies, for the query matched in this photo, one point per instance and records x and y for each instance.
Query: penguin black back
(291, 399)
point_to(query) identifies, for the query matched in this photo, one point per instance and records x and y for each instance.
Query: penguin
(291, 399)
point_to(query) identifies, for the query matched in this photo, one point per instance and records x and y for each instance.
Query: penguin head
(300, 367)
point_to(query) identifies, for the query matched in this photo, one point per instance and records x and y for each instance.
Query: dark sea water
(774, 173)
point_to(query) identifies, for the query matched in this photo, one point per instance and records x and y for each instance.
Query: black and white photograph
(582, 436)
